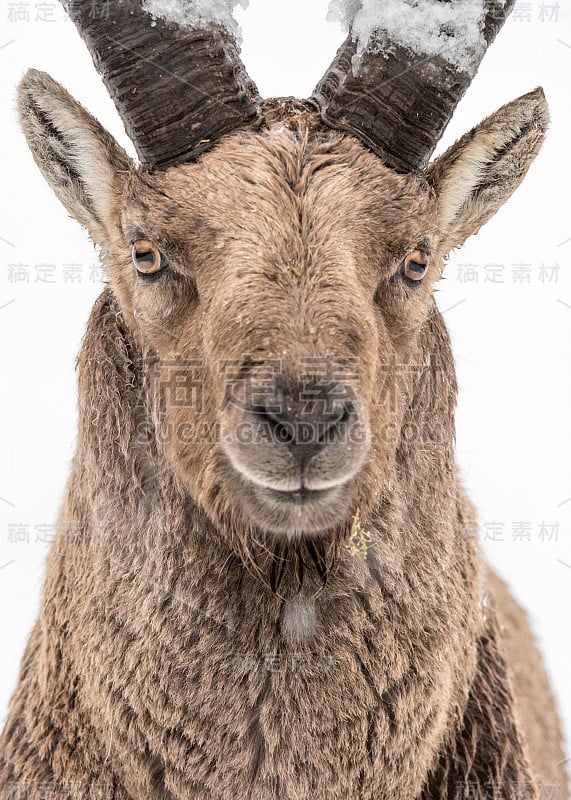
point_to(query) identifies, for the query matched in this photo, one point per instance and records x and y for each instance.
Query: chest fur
(322, 698)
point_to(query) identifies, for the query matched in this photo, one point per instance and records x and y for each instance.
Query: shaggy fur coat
(162, 667)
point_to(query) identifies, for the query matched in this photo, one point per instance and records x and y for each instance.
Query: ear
(83, 164)
(475, 176)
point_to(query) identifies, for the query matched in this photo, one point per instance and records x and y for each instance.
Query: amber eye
(415, 265)
(147, 258)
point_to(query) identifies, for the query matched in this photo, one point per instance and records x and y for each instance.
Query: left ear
(475, 176)
(82, 163)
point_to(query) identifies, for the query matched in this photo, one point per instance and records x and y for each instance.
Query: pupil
(416, 267)
(146, 258)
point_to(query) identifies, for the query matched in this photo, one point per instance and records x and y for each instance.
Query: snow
(453, 31)
(198, 13)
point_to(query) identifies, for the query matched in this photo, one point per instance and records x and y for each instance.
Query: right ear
(82, 163)
(476, 176)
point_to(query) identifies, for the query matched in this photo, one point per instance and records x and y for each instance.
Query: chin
(297, 514)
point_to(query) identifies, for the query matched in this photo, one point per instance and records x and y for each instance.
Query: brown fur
(191, 642)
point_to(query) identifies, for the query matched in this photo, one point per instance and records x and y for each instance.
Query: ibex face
(284, 295)
(286, 277)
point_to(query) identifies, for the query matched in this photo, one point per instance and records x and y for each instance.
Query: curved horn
(177, 89)
(400, 101)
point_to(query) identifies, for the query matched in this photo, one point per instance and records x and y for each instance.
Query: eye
(147, 258)
(415, 265)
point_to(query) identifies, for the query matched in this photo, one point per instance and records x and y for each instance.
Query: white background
(511, 336)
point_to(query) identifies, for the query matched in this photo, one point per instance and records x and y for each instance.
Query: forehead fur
(293, 179)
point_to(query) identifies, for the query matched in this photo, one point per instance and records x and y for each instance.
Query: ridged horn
(400, 101)
(178, 90)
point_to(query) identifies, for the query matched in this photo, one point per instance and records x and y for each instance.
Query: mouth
(297, 496)
(296, 512)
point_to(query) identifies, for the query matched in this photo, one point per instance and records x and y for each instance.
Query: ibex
(265, 583)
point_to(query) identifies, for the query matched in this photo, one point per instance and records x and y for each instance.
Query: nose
(306, 417)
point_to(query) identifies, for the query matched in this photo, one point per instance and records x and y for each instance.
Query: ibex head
(288, 249)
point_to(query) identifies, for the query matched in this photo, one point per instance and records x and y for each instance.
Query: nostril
(282, 431)
(333, 427)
